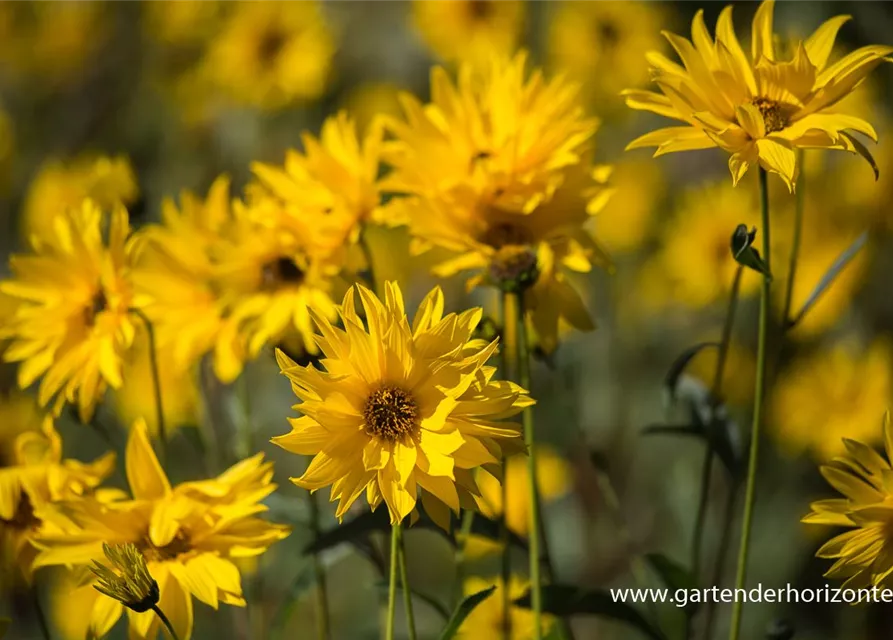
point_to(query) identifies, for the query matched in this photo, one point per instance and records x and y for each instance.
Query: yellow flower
(73, 322)
(271, 54)
(269, 276)
(368, 101)
(187, 541)
(400, 409)
(605, 40)
(179, 389)
(487, 619)
(469, 29)
(695, 263)
(831, 395)
(862, 554)
(33, 477)
(499, 133)
(760, 110)
(61, 186)
(176, 272)
(495, 173)
(335, 179)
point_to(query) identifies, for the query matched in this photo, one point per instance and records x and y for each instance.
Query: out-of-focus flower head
(52, 41)
(832, 394)
(601, 44)
(760, 110)
(694, 264)
(187, 542)
(369, 101)
(469, 29)
(401, 409)
(334, 180)
(628, 219)
(487, 620)
(176, 272)
(739, 372)
(861, 555)
(495, 170)
(59, 186)
(34, 476)
(271, 54)
(73, 321)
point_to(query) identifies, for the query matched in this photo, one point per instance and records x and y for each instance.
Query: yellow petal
(821, 42)
(106, 612)
(751, 120)
(761, 36)
(144, 474)
(779, 157)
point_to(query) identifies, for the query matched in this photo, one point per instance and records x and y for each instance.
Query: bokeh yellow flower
(33, 477)
(760, 110)
(861, 555)
(59, 186)
(469, 29)
(628, 220)
(600, 44)
(694, 264)
(487, 620)
(401, 409)
(187, 537)
(74, 319)
(738, 376)
(829, 395)
(495, 171)
(271, 54)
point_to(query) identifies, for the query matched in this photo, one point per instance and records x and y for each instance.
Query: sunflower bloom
(33, 477)
(863, 556)
(188, 542)
(495, 171)
(758, 109)
(469, 29)
(73, 320)
(401, 409)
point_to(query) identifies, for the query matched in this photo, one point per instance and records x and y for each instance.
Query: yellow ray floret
(401, 410)
(759, 108)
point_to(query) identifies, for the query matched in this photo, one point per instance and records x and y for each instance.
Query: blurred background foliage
(136, 101)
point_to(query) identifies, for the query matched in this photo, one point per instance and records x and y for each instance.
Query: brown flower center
(271, 45)
(504, 234)
(281, 271)
(390, 413)
(607, 33)
(23, 519)
(99, 304)
(773, 112)
(176, 547)
(480, 9)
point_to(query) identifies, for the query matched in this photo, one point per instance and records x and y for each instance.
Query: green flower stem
(319, 572)
(464, 533)
(533, 495)
(40, 614)
(510, 314)
(392, 581)
(407, 593)
(167, 623)
(721, 554)
(156, 383)
(795, 244)
(750, 491)
(246, 446)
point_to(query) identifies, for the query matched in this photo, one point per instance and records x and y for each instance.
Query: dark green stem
(464, 534)
(722, 552)
(167, 623)
(510, 314)
(392, 581)
(156, 383)
(319, 573)
(407, 592)
(795, 243)
(753, 462)
(536, 596)
(40, 614)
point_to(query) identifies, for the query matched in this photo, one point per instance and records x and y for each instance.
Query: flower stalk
(392, 581)
(753, 461)
(407, 593)
(167, 623)
(319, 573)
(510, 314)
(156, 383)
(795, 243)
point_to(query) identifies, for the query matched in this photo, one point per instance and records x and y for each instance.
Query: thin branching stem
(753, 461)
(167, 623)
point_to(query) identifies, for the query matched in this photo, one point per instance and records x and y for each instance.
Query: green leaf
(677, 368)
(568, 600)
(745, 253)
(830, 275)
(462, 612)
